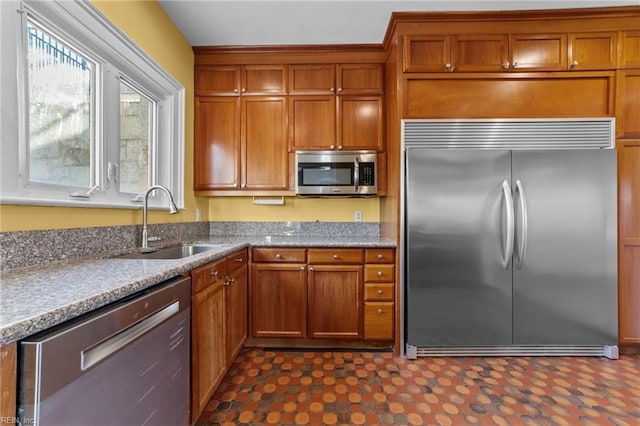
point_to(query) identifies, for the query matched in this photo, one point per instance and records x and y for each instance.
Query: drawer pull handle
(214, 273)
(380, 311)
(380, 273)
(380, 256)
(239, 259)
(380, 291)
(336, 257)
(278, 256)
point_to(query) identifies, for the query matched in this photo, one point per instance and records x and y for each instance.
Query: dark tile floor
(326, 388)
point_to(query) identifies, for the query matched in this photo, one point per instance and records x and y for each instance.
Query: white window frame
(119, 58)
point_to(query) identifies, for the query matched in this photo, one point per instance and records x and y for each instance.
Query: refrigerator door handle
(508, 252)
(522, 250)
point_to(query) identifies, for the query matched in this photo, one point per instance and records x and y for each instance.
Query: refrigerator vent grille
(510, 133)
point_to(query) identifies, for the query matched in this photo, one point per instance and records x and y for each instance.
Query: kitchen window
(88, 119)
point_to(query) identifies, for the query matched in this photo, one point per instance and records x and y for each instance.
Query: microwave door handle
(356, 174)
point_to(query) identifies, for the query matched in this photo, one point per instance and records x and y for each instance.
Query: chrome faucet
(173, 209)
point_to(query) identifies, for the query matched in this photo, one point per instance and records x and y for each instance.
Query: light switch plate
(358, 216)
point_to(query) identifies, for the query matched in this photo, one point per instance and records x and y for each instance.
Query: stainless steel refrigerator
(509, 250)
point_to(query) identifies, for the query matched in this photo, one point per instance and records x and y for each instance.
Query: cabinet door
(631, 49)
(360, 122)
(593, 51)
(312, 79)
(485, 52)
(217, 143)
(312, 122)
(629, 241)
(264, 80)
(335, 301)
(264, 143)
(360, 79)
(236, 299)
(278, 300)
(544, 52)
(217, 80)
(427, 53)
(628, 119)
(208, 346)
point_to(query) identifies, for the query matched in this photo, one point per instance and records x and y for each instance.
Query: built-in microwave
(349, 173)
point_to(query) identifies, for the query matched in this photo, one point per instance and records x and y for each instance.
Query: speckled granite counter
(36, 298)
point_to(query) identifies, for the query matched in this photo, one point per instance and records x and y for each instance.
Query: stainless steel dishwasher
(124, 364)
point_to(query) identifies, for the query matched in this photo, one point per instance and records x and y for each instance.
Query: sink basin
(176, 252)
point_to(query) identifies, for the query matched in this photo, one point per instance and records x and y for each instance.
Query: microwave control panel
(367, 174)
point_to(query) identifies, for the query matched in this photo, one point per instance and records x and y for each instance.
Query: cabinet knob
(302, 268)
(574, 64)
(332, 147)
(239, 259)
(244, 185)
(380, 292)
(339, 146)
(339, 89)
(450, 67)
(235, 90)
(515, 65)
(310, 268)
(214, 273)
(244, 89)
(505, 65)
(380, 256)
(278, 256)
(333, 89)
(380, 273)
(380, 311)
(336, 257)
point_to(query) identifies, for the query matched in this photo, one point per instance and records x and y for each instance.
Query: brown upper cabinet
(246, 80)
(444, 53)
(509, 53)
(323, 116)
(344, 79)
(241, 143)
(538, 52)
(593, 51)
(631, 49)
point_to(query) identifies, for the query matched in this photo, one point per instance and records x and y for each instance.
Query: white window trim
(80, 20)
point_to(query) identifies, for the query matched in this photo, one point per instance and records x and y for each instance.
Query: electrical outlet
(358, 216)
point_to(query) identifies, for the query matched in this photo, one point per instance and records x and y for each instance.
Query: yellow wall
(295, 209)
(146, 23)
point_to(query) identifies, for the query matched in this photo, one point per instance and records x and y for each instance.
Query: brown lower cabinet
(8, 382)
(279, 300)
(318, 294)
(335, 301)
(218, 324)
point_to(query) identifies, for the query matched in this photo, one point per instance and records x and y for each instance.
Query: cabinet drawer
(277, 255)
(378, 320)
(384, 255)
(379, 273)
(330, 256)
(237, 259)
(208, 274)
(378, 292)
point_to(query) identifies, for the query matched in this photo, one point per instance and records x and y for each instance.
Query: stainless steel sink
(177, 252)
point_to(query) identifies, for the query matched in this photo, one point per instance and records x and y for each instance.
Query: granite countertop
(36, 298)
